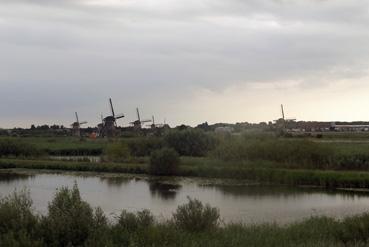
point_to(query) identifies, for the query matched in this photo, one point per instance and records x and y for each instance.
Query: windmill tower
(137, 125)
(76, 126)
(100, 126)
(110, 122)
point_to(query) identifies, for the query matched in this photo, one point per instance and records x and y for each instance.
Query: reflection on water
(249, 204)
(279, 191)
(9, 177)
(164, 190)
(115, 181)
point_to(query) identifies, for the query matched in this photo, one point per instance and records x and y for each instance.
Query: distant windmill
(282, 122)
(138, 123)
(76, 126)
(283, 117)
(110, 122)
(154, 125)
(100, 126)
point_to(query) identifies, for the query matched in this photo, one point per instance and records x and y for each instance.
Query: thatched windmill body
(110, 122)
(137, 124)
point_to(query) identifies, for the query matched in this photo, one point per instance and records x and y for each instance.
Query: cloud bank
(187, 61)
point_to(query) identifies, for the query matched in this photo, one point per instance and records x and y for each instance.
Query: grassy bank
(256, 171)
(60, 145)
(70, 221)
(73, 166)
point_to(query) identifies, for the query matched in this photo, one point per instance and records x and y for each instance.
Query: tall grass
(18, 148)
(294, 153)
(70, 221)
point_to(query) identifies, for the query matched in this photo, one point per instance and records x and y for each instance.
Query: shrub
(16, 213)
(194, 216)
(132, 221)
(18, 224)
(117, 151)
(190, 142)
(70, 220)
(144, 146)
(164, 162)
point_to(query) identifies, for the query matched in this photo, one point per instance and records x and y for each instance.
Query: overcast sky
(187, 61)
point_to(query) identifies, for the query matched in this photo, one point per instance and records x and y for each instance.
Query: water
(236, 202)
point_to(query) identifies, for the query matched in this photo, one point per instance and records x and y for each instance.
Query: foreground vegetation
(70, 221)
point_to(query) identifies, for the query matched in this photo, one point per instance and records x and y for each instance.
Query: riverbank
(72, 221)
(258, 171)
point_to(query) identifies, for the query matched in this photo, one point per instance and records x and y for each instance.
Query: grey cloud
(138, 53)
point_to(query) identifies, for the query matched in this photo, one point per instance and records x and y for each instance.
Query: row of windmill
(108, 125)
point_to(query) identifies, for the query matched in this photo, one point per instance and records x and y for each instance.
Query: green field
(334, 161)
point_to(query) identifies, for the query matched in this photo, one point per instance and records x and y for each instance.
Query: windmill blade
(153, 120)
(77, 117)
(138, 114)
(119, 116)
(111, 107)
(145, 121)
(84, 122)
(282, 109)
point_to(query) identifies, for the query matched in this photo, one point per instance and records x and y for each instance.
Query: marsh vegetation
(332, 161)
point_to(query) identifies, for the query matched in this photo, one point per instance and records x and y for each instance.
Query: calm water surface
(237, 203)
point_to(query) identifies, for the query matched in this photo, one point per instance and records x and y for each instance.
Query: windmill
(283, 121)
(110, 122)
(283, 117)
(153, 125)
(76, 126)
(100, 126)
(138, 123)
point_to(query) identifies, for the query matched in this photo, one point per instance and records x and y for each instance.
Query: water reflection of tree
(115, 181)
(164, 190)
(8, 177)
(279, 191)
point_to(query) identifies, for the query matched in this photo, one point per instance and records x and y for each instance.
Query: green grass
(264, 159)
(73, 166)
(65, 146)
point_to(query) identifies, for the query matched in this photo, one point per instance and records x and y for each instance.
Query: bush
(133, 221)
(117, 151)
(70, 220)
(194, 216)
(18, 224)
(144, 146)
(190, 142)
(164, 162)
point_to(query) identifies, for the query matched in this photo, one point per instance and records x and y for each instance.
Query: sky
(184, 61)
